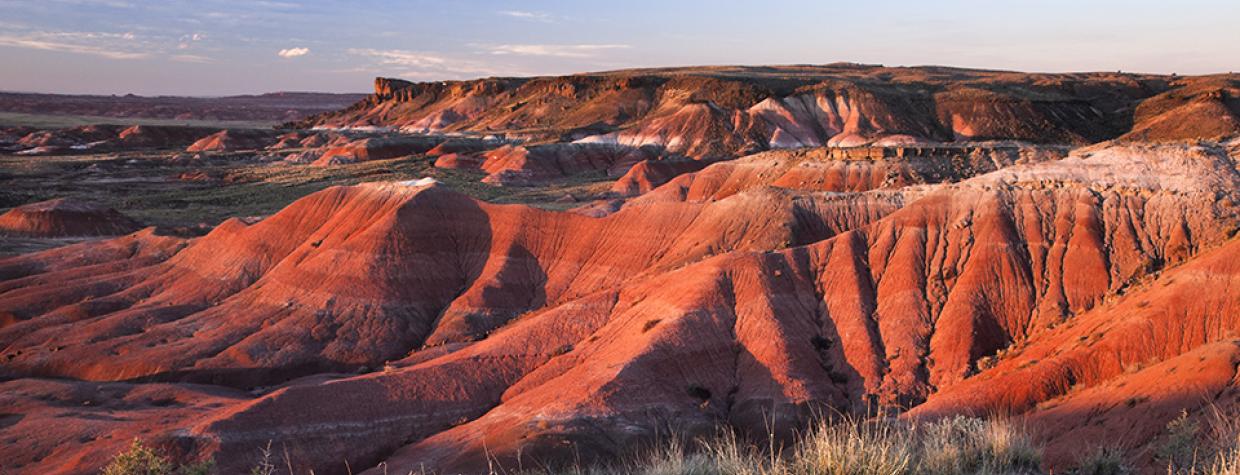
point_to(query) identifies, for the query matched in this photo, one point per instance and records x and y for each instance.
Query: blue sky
(214, 47)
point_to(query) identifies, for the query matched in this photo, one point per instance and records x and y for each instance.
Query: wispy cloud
(103, 3)
(562, 51)
(526, 15)
(293, 52)
(191, 58)
(432, 66)
(75, 42)
(188, 40)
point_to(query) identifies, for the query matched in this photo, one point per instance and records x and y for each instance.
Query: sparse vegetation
(885, 446)
(1103, 461)
(954, 446)
(1180, 451)
(143, 460)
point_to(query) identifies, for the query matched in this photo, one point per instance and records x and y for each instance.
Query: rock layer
(721, 112)
(505, 331)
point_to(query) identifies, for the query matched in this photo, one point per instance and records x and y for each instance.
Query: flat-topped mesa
(723, 112)
(399, 90)
(386, 88)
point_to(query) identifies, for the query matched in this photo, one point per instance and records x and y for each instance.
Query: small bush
(138, 460)
(1103, 461)
(1180, 451)
(143, 460)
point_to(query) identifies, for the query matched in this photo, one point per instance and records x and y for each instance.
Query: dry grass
(954, 446)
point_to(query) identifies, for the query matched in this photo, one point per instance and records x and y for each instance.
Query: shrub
(143, 460)
(1103, 461)
(1180, 451)
(138, 460)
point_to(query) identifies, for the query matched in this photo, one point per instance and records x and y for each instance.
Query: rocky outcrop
(520, 165)
(847, 169)
(721, 112)
(375, 148)
(647, 175)
(233, 140)
(1208, 108)
(107, 138)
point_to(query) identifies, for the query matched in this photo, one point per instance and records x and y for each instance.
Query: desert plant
(963, 445)
(1180, 450)
(138, 460)
(854, 447)
(1227, 462)
(143, 460)
(1103, 461)
(264, 466)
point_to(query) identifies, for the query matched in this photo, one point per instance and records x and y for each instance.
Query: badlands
(450, 277)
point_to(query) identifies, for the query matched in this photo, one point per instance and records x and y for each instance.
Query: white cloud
(293, 52)
(524, 15)
(562, 51)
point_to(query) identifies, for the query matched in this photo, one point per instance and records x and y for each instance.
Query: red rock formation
(306, 258)
(154, 136)
(233, 139)
(516, 165)
(720, 112)
(894, 310)
(69, 136)
(515, 331)
(1205, 108)
(378, 148)
(846, 170)
(103, 138)
(64, 217)
(647, 175)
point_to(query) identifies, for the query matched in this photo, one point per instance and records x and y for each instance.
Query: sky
(222, 47)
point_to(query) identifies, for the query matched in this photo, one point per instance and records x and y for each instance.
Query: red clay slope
(64, 217)
(513, 331)
(355, 276)
(887, 313)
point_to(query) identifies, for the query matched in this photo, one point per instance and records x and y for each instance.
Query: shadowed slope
(356, 276)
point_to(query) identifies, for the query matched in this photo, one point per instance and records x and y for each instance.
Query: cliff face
(720, 111)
